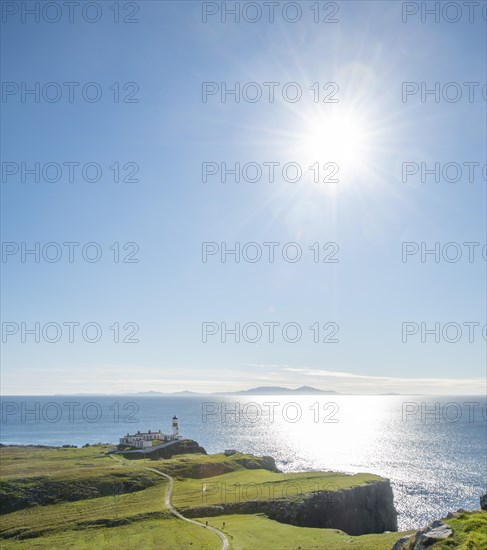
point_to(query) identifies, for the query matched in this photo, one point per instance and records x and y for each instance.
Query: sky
(148, 264)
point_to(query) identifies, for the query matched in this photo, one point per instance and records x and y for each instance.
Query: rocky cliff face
(259, 462)
(357, 511)
(185, 446)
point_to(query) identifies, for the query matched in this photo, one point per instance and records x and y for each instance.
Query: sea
(433, 449)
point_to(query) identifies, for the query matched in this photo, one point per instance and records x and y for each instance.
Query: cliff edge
(358, 510)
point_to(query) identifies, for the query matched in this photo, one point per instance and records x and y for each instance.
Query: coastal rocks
(185, 446)
(437, 531)
(257, 463)
(269, 463)
(455, 514)
(204, 470)
(425, 538)
(357, 511)
(402, 544)
(483, 502)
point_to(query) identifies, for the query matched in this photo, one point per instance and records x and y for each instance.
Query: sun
(338, 136)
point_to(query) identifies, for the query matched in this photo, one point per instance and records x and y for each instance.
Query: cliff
(185, 446)
(357, 511)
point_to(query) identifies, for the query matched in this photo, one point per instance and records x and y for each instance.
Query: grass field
(165, 534)
(228, 481)
(36, 461)
(243, 485)
(137, 519)
(199, 465)
(49, 476)
(133, 514)
(256, 532)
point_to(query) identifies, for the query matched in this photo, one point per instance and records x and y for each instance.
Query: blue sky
(170, 212)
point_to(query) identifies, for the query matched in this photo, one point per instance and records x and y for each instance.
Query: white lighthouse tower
(175, 427)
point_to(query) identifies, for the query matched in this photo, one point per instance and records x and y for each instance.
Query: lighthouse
(175, 426)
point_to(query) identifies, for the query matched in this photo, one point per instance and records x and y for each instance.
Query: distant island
(278, 390)
(260, 390)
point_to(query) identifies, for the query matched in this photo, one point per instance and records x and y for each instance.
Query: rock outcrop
(185, 446)
(357, 511)
(259, 462)
(483, 502)
(423, 539)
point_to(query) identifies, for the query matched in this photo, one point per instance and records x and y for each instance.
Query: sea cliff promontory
(93, 496)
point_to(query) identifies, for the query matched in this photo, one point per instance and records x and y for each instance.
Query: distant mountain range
(278, 390)
(261, 390)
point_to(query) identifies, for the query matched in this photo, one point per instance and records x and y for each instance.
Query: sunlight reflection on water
(434, 467)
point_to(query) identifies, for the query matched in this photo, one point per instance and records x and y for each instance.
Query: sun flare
(336, 137)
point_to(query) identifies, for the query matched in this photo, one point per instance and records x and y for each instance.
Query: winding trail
(174, 512)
